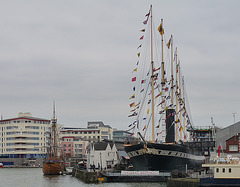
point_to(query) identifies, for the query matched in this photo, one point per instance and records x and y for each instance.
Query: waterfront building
(75, 140)
(101, 156)
(204, 138)
(233, 144)
(120, 135)
(24, 136)
(222, 135)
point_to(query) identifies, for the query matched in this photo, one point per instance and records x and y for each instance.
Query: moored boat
(160, 110)
(53, 164)
(226, 173)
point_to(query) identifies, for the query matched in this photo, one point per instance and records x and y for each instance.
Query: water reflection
(33, 177)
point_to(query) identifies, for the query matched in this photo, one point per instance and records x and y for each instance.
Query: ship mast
(152, 79)
(171, 43)
(176, 97)
(54, 122)
(184, 120)
(161, 31)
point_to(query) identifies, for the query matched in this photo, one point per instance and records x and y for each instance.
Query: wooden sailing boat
(53, 164)
(172, 151)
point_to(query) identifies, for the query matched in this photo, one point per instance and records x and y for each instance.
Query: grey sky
(81, 54)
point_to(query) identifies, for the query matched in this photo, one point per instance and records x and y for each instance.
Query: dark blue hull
(163, 157)
(219, 182)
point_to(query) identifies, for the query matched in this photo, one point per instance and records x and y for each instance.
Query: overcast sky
(81, 54)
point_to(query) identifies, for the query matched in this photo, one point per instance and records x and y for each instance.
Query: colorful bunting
(144, 128)
(133, 96)
(145, 22)
(169, 42)
(158, 95)
(160, 29)
(156, 69)
(165, 108)
(132, 104)
(134, 114)
(149, 101)
(139, 46)
(134, 70)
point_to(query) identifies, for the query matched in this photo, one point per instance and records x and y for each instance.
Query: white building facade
(101, 156)
(24, 136)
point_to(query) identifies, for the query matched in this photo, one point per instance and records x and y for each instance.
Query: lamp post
(101, 160)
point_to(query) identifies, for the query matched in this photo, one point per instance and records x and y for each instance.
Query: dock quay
(120, 176)
(136, 176)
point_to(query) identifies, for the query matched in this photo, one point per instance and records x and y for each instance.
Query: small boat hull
(53, 167)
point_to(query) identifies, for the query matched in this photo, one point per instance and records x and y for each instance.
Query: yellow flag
(169, 42)
(148, 111)
(160, 29)
(134, 70)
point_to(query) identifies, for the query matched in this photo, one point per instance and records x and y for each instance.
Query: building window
(217, 170)
(223, 170)
(233, 148)
(229, 170)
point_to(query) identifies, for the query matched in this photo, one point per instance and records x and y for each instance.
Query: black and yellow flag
(169, 42)
(160, 29)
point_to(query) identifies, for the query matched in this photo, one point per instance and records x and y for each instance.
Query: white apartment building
(24, 136)
(74, 141)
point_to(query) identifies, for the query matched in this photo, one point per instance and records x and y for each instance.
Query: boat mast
(161, 30)
(176, 97)
(180, 100)
(184, 120)
(171, 43)
(152, 79)
(54, 122)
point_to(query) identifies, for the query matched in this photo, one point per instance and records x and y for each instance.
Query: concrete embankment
(87, 177)
(182, 182)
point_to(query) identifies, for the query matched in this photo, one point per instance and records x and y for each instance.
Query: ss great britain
(53, 164)
(159, 108)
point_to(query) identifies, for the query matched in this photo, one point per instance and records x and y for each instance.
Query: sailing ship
(160, 107)
(53, 164)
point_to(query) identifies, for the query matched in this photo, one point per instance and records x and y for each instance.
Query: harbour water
(33, 177)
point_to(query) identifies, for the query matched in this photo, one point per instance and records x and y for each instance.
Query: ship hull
(53, 167)
(163, 157)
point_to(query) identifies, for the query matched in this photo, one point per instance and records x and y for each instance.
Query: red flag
(134, 79)
(141, 38)
(144, 128)
(132, 104)
(219, 148)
